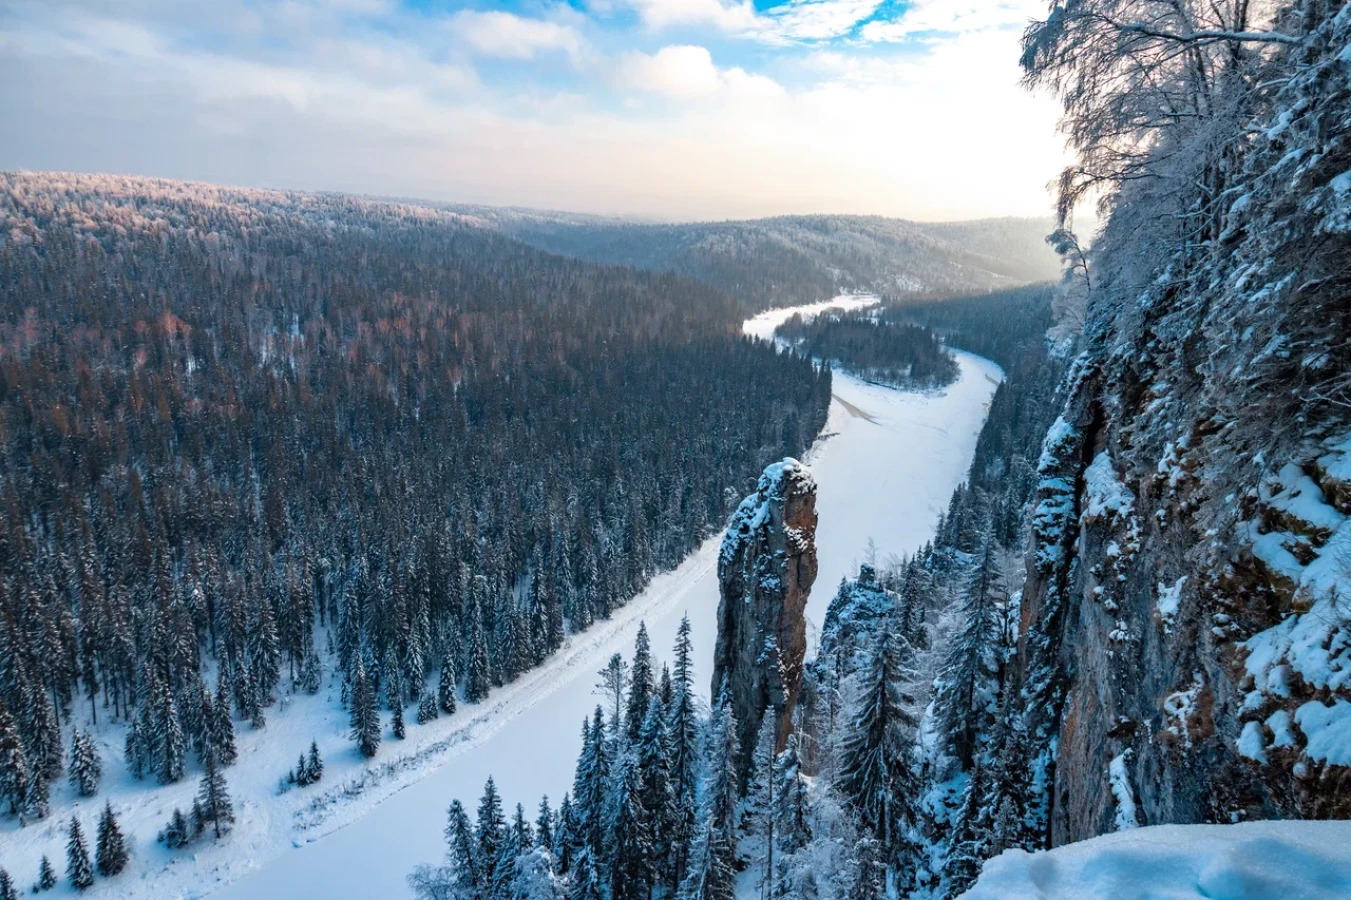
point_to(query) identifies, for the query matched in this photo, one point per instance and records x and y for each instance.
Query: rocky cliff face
(765, 574)
(1186, 649)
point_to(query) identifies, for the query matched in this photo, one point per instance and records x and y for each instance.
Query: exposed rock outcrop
(765, 574)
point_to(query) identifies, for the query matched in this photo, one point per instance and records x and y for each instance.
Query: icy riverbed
(885, 468)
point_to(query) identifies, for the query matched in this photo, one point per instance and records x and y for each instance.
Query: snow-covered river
(885, 469)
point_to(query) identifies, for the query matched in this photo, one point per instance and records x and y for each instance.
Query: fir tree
(13, 764)
(46, 875)
(874, 773)
(760, 803)
(445, 688)
(525, 836)
(170, 744)
(491, 825)
(656, 799)
(365, 717)
(791, 810)
(479, 680)
(684, 738)
(396, 725)
(301, 773)
(711, 872)
(78, 867)
(565, 841)
(315, 764)
(223, 725)
(426, 708)
(972, 658)
(85, 768)
(590, 789)
(631, 841)
(311, 673)
(111, 852)
(7, 889)
(176, 834)
(544, 825)
(641, 684)
(462, 849)
(37, 805)
(213, 797)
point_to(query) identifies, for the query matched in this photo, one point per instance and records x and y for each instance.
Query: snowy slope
(885, 469)
(1291, 860)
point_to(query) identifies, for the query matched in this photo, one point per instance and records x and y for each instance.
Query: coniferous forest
(899, 354)
(239, 428)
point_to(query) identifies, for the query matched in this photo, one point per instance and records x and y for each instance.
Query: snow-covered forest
(305, 496)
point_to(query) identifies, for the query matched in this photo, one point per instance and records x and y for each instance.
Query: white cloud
(687, 72)
(815, 20)
(952, 16)
(725, 15)
(508, 36)
(792, 21)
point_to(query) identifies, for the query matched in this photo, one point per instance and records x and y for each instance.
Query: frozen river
(885, 469)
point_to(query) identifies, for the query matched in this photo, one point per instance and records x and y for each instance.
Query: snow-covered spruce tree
(397, 727)
(445, 687)
(792, 828)
(875, 775)
(315, 764)
(973, 665)
(79, 870)
(684, 736)
(166, 735)
(460, 877)
(13, 764)
(177, 832)
(632, 843)
(427, 710)
(759, 804)
(711, 873)
(85, 768)
(641, 684)
(478, 680)
(591, 790)
(37, 805)
(490, 827)
(7, 889)
(42, 730)
(46, 875)
(365, 720)
(223, 725)
(110, 854)
(565, 843)
(213, 799)
(544, 825)
(652, 752)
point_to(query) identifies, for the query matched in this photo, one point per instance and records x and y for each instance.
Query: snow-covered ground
(1295, 860)
(885, 469)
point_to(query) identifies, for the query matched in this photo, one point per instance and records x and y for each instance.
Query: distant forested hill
(801, 259)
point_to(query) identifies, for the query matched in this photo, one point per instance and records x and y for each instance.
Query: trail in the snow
(877, 486)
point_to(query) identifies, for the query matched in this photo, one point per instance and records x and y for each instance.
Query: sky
(662, 109)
